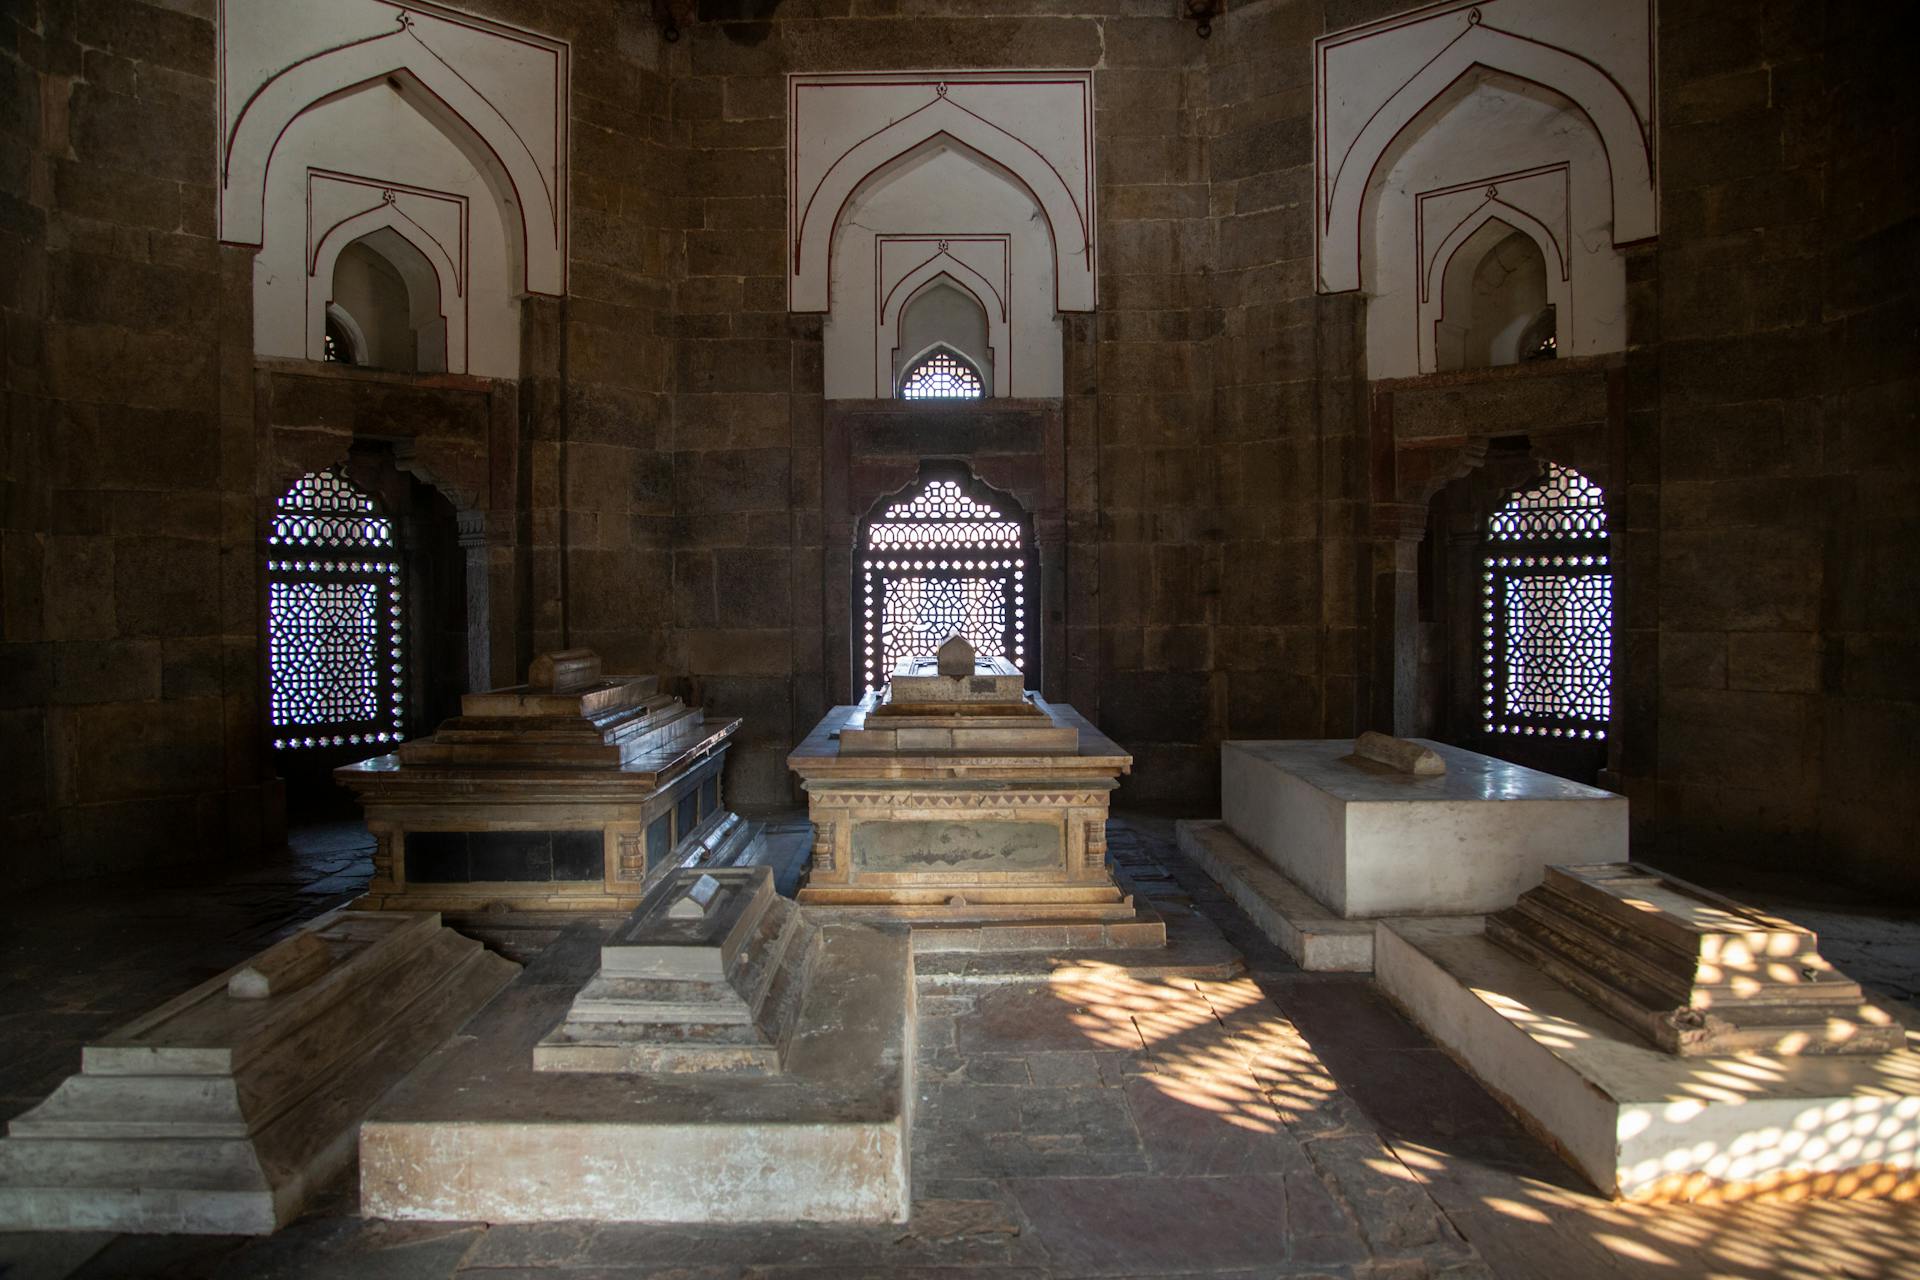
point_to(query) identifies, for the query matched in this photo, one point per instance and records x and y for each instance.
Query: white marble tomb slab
(1366, 840)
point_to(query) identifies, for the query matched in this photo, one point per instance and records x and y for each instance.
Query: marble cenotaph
(573, 791)
(957, 796)
(1319, 838)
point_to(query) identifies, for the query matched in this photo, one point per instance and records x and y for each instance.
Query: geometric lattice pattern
(1547, 625)
(937, 563)
(941, 376)
(336, 625)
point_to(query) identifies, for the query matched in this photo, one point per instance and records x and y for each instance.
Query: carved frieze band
(973, 801)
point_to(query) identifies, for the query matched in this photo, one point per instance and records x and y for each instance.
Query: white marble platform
(1640, 1123)
(1366, 841)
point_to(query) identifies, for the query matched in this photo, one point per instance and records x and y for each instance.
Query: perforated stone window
(1547, 611)
(336, 622)
(941, 375)
(937, 561)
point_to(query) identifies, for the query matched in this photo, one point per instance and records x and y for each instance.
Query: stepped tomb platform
(1670, 1042)
(227, 1109)
(574, 791)
(956, 797)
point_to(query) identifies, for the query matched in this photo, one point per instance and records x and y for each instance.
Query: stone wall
(1238, 523)
(130, 618)
(1788, 533)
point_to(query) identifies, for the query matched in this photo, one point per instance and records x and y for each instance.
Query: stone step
(74, 1162)
(137, 1107)
(613, 999)
(646, 1057)
(721, 1034)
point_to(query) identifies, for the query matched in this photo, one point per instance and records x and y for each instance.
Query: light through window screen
(941, 376)
(937, 563)
(336, 625)
(1547, 611)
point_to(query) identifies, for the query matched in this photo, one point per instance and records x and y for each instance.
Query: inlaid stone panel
(948, 846)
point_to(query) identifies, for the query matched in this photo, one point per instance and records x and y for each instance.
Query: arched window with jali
(336, 618)
(945, 555)
(1547, 611)
(941, 374)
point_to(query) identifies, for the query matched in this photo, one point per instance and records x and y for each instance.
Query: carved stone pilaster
(383, 850)
(630, 852)
(1096, 842)
(823, 846)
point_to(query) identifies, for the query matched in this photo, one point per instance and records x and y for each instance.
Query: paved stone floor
(1084, 1122)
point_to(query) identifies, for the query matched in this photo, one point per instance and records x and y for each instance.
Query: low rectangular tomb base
(1643, 1124)
(479, 1134)
(1312, 936)
(1367, 839)
(226, 1109)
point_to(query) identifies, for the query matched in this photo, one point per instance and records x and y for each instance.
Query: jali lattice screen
(1547, 615)
(934, 563)
(941, 376)
(336, 625)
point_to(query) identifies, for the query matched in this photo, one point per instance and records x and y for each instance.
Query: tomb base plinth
(574, 792)
(730, 1063)
(225, 1110)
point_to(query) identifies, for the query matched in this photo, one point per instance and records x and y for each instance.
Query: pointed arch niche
(1433, 126)
(446, 132)
(911, 192)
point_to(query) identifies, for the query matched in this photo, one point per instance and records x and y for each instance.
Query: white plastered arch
(1433, 293)
(439, 298)
(1585, 85)
(942, 120)
(936, 271)
(441, 96)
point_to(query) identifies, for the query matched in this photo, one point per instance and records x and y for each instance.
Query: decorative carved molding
(823, 859)
(1373, 83)
(499, 91)
(973, 800)
(1035, 127)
